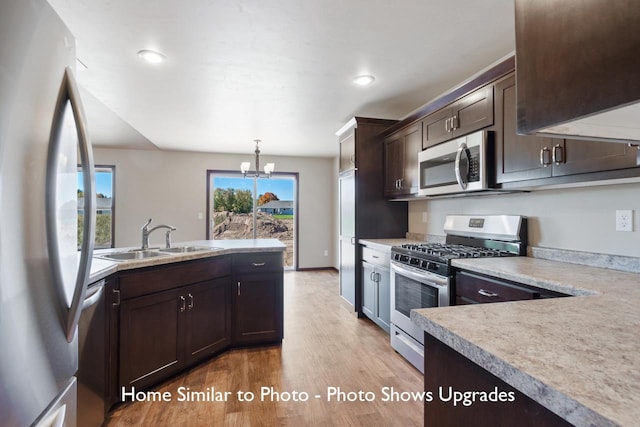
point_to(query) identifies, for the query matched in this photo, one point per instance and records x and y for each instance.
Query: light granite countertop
(101, 267)
(578, 356)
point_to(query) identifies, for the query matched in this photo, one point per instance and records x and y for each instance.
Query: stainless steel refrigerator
(43, 275)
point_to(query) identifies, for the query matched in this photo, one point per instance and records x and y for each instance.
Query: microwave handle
(461, 182)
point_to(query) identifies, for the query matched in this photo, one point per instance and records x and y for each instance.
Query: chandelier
(268, 168)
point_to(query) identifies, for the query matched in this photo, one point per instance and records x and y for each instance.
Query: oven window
(412, 294)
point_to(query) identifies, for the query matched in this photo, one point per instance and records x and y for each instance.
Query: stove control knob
(424, 265)
(414, 261)
(432, 266)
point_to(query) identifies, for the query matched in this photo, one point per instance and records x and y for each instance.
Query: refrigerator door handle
(69, 93)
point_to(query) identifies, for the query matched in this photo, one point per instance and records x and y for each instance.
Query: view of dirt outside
(230, 225)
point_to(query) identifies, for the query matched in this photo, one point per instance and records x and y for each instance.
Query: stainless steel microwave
(461, 165)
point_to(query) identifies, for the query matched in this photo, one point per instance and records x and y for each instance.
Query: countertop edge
(552, 399)
(592, 287)
(107, 267)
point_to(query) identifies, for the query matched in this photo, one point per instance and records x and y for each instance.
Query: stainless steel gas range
(422, 276)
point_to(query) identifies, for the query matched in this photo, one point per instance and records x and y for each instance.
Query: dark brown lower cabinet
(447, 371)
(258, 309)
(167, 318)
(257, 298)
(208, 322)
(162, 333)
(151, 338)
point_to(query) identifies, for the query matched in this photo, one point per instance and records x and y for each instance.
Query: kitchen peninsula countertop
(101, 268)
(578, 356)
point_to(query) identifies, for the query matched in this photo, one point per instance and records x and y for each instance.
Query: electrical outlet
(624, 220)
(326, 252)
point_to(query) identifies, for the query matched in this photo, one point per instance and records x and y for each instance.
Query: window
(231, 212)
(105, 207)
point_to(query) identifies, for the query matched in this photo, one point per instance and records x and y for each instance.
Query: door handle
(454, 122)
(70, 94)
(116, 293)
(190, 306)
(183, 304)
(259, 264)
(544, 157)
(557, 154)
(239, 286)
(487, 293)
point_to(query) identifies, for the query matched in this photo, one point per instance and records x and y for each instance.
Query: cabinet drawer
(257, 262)
(479, 289)
(155, 279)
(373, 256)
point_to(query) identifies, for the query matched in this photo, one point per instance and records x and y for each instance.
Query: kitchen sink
(186, 249)
(132, 255)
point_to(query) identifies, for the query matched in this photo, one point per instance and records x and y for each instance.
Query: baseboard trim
(318, 269)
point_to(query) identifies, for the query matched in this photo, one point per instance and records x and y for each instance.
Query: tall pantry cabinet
(364, 211)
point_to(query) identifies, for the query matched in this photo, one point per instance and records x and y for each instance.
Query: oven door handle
(422, 276)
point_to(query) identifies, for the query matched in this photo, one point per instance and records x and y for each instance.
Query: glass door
(236, 203)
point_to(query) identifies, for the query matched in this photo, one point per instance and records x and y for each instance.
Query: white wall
(171, 188)
(581, 219)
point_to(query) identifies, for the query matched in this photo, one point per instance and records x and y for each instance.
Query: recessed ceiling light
(151, 56)
(364, 80)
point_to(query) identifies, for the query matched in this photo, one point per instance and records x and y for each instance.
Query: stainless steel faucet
(146, 231)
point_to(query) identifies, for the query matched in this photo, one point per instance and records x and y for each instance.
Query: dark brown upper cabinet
(517, 156)
(471, 112)
(530, 157)
(401, 161)
(578, 68)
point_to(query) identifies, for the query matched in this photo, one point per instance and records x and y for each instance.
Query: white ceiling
(278, 70)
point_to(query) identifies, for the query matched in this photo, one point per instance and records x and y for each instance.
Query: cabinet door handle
(183, 304)
(375, 256)
(116, 293)
(377, 276)
(371, 277)
(557, 154)
(190, 306)
(259, 264)
(454, 122)
(239, 286)
(487, 293)
(544, 157)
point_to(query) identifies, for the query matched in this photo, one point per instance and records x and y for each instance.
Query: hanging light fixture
(268, 168)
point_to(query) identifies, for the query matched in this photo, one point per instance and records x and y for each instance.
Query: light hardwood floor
(324, 346)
